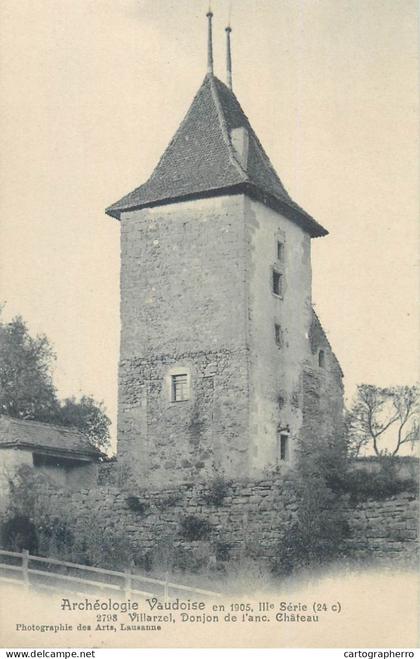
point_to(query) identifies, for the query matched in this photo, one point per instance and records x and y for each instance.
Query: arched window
(321, 359)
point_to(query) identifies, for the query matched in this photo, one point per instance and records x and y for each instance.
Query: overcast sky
(91, 92)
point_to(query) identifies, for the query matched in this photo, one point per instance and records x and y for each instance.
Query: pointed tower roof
(203, 159)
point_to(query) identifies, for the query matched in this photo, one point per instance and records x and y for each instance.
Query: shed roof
(201, 161)
(45, 437)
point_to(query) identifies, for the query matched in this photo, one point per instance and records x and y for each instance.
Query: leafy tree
(88, 416)
(27, 390)
(376, 410)
(26, 387)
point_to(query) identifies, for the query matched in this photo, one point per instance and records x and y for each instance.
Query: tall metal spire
(210, 43)
(228, 30)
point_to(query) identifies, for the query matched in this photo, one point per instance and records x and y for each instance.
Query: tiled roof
(20, 433)
(201, 161)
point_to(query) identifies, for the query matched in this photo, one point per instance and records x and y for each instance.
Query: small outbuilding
(64, 454)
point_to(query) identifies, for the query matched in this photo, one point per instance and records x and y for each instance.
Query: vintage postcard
(208, 324)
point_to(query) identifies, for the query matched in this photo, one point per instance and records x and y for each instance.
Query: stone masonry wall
(322, 403)
(323, 391)
(187, 527)
(384, 529)
(183, 310)
(247, 523)
(276, 366)
(197, 298)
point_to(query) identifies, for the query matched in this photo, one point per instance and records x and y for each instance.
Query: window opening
(180, 387)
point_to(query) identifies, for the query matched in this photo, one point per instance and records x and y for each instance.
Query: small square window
(277, 283)
(278, 334)
(280, 250)
(180, 389)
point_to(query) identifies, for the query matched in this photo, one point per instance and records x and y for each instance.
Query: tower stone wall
(197, 300)
(183, 310)
(276, 245)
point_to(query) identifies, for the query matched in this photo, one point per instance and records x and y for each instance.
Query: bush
(24, 484)
(77, 536)
(160, 557)
(136, 505)
(56, 534)
(315, 533)
(362, 485)
(184, 559)
(18, 533)
(217, 490)
(223, 550)
(314, 536)
(194, 528)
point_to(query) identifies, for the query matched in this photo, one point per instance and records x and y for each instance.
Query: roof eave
(116, 212)
(300, 217)
(308, 223)
(82, 455)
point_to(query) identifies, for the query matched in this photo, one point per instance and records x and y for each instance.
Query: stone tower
(223, 362)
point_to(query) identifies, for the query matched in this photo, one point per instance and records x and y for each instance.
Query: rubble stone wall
(197, 299)
(196, 525)
(384, 529)
(183, 311)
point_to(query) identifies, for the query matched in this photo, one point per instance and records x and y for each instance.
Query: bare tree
(375, 410)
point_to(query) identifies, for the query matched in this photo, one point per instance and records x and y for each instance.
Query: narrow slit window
(180, 389)
(321, 359)
(280, 250)
(277, 283)
(278, 335)
(283, 447)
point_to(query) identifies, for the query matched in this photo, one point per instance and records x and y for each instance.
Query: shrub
(23, 484)
(223, 550)
(56, 534)
(317, 530)
(194, 528)
(217, 490)
(136, 505)
(362, 484)
(160, 556)
(185, 559)
(98, 544)
(315, 533)
(18, 533)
